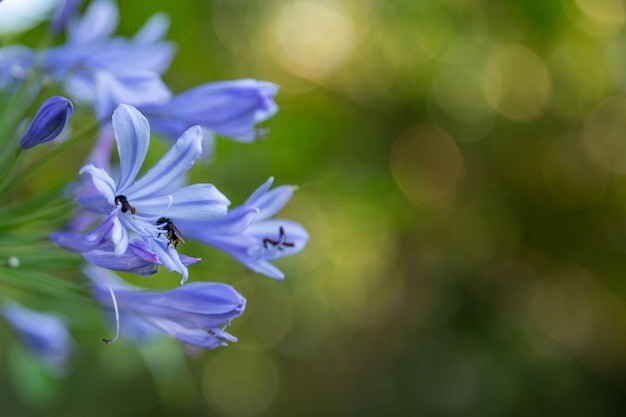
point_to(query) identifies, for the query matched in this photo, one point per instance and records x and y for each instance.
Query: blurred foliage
(462, 175)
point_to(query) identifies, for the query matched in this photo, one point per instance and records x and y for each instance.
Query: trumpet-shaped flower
(133, 206)
(196, 313)
(44, 334)
(228, 108)
(104, 71)
(249, 235)
(48, 123)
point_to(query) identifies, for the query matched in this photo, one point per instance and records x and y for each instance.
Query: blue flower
(133, 206)
(228, 108)
(249, 235)
(48, 122)
(196, 313)
(44, 334)
(102, 71)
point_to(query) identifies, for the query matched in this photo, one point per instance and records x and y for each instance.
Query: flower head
(249, 235)
(196, 313)
(134, 206)
(48, 122)
(104, 71)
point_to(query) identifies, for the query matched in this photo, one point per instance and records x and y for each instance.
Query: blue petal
(98, 23)
(93, 239)
(153, 30)
(132, 135)
(45, 334)
(194, 202)
(259, 192)
(234, 223)
(272, 201)
(128, 262)
(102, 181)
(48, 123)
(196, 337)
(178, 160)
(168, 257)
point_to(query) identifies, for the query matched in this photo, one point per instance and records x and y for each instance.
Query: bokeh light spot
(364, 288)
(457, 84)
(314, 37)
(240, 384)
(427, 165)
(610, 12)
(561, 309)
(516, 82)
(571, 176)
(272, 318)
(604, 134)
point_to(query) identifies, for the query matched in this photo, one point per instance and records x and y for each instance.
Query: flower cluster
(131, 222)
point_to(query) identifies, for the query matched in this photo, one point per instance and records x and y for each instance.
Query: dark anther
(171, 232)
(261, 132)
(107, 341)
(125, 204)
(280, 243)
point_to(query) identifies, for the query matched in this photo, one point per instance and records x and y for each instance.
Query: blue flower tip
(48, 122)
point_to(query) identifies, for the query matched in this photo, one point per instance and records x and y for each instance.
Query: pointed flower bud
(48, 122)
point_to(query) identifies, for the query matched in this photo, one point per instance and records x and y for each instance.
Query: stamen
(260, 133)
(125, 204)
(117, 313)
(279, 243)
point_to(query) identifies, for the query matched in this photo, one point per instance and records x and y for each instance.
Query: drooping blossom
(196, 313)
(229, 108)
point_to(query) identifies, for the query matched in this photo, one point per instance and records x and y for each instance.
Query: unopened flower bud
(48, 122)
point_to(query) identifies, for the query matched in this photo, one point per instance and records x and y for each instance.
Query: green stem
(7, 184)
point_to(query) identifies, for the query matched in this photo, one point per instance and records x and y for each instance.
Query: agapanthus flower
(249, 235)
(44, 334)
(229, 108)
(196, 313)
(134, 206)
(104, 71)
(48, 123)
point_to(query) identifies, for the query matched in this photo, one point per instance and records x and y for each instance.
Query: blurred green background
(461, 166)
